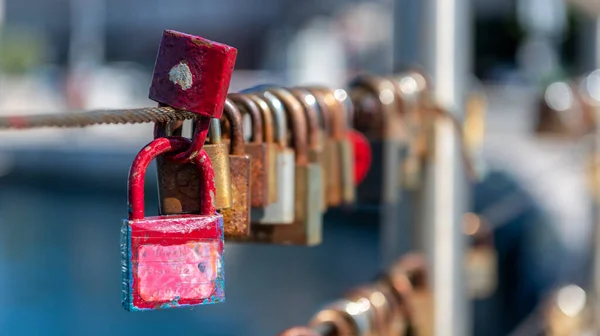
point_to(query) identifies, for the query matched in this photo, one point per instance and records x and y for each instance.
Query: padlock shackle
(297, 123)
(266, 117)
(384, 92)
(309, 102)
(159, 146)
(337, 117)
(247, 105)
(234, 117)
(324, 117)
(276, 109)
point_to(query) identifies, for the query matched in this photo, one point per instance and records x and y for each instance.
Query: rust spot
(202, 42)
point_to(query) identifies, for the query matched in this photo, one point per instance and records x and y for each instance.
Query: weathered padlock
(282, 210)
(171, 261)
(348, 317)
(218, 152)
(481, 258)
(340, 128)
(237, 217)
(376, 116)
(257, 149)
(269, 141)
(331, 151)
(316, 135)
(192, 73)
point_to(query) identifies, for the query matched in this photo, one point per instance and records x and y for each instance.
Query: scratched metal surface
(60, 262)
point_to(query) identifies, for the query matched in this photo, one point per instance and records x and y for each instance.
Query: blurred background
(62, 192)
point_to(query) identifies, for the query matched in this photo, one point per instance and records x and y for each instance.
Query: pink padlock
(177, 260)
(192, 73)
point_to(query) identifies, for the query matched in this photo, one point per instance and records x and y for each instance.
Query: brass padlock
(237, 218)
(218, 153)
(258, 151)
(316, 135)
(340, 127)
(282, 210)
(331, 151)
(269, 141)
(376, 115)
(306, 228)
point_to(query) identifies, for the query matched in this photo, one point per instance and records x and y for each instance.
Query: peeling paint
(181, 75)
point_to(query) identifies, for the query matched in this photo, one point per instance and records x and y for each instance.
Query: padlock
(340, 127)
(348, 317)
(237, 217)
(258, 151)
(316, 135)
(269, 141)
(219, 155)
(481, 258)
(192, 73)
(376, 116)
(409, 278)
(281, 211)
(331, 153)
(171, 261)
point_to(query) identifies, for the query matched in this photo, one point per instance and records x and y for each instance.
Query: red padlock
(192, 73)
(177, 260)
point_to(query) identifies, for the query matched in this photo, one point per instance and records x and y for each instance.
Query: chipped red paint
(210, 65)
(171, 261)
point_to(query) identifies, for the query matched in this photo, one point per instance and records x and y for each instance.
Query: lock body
(219, 156)
(237, 217)
(172, 261)
(259, 166)
(282, 210)
(347, 172)
(317, 156)
(334, 178)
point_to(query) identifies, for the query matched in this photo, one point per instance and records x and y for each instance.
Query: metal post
(446, 58)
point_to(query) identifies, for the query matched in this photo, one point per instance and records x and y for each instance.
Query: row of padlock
(399, 302)
(307, 149)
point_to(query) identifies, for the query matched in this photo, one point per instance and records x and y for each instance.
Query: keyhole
(201, 267)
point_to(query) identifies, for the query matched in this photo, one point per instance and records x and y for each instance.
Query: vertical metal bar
(446, 44)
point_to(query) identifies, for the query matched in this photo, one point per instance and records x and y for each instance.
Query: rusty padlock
(282, 210)
(376, 116)
(269, 141)
(316, 135)
(237, 217)
(192, 73)
(218, 152)
(171, 261)
(301, 331)
(257, 150)
(332, 156)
